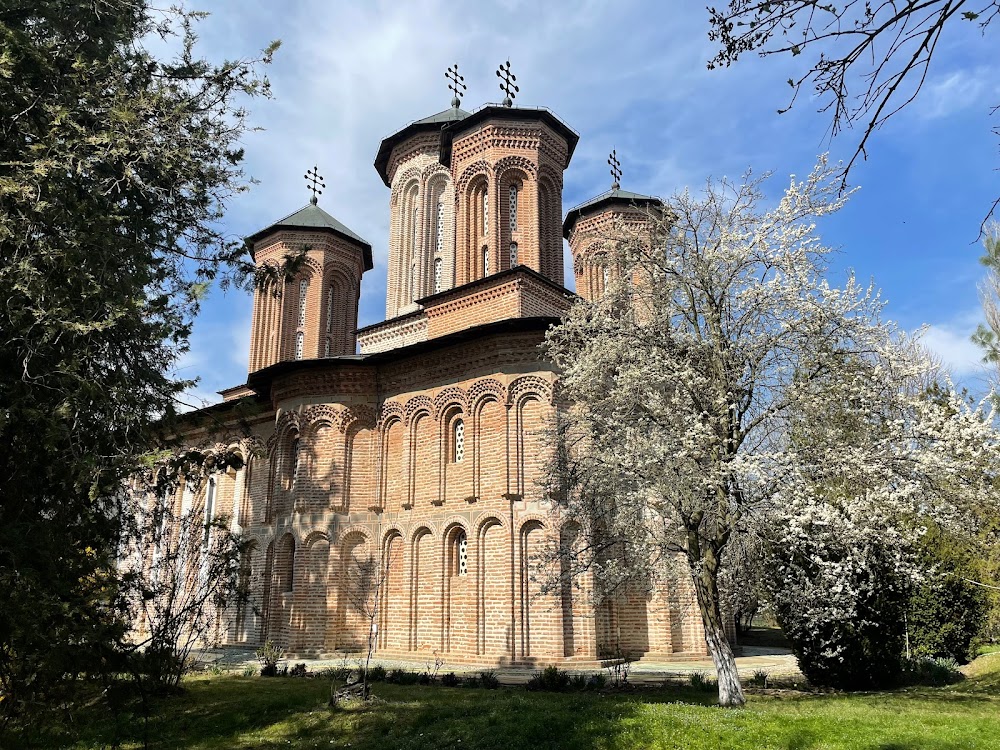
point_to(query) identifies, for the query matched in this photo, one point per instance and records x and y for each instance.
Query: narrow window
(299, 343)
(604, 278)
(486, 261)
(303, 286)
(296, 450)
(513, 254)
(437, 275)
(329, 309)
(440, 227)
(209, 511)
(486, 212)
(513, 208)
(326, 347)
(413, 235)
(459, 440)
(289, 573)
(461, 554)
(413, 281)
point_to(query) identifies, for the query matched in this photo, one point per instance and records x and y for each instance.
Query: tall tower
(588, 228)
(315, 314)
(472, 195)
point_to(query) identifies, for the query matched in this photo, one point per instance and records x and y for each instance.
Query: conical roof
(614, 197)
(433, 123)
(312, 217)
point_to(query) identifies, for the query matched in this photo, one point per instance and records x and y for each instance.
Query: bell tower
(313, 314)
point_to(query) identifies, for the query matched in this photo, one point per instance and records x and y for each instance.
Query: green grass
(238, 712)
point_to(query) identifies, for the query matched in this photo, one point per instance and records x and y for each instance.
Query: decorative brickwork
(423, 458)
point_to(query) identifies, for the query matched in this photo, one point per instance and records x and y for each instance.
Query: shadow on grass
(232, 712)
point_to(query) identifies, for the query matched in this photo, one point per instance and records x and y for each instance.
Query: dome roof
(314, 218)
(614, 197)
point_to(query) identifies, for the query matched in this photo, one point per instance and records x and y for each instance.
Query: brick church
(420, 441)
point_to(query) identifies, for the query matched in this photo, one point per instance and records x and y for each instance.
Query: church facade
(420, 442)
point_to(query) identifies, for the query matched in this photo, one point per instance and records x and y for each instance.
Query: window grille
(459, 440)
(296, 450)
(486, 212)
(413, 281)
(463, 554)
(440, 227)
(329, 309)
(486, 261)
(513, 208)
(604, 278)
(437, 275)
(513, 254)
(303, 286)
(209, 511)
(299, 344)
(326, 348)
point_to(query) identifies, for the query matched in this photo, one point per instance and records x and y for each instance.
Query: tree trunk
(706, 589)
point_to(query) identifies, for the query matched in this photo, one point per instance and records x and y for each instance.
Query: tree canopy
(115, 167)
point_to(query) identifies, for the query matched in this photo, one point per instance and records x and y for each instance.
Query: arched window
(486, 260)
(287, 569)
(513, 208)
(439, 230)
(437, 274)
(303, 287)
(300, 339)
(413, 281)
(604, 278)
(413, 234)
(461, 554)
(513, 254)
(458, 441)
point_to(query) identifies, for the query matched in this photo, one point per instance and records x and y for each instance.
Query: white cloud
(951, 343)
(942, 96)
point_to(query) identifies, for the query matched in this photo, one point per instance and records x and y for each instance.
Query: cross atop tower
(507, 84)
(314, 181)
(456, 84)
(616, 169)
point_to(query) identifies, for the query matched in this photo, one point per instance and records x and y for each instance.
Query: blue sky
(625, 75)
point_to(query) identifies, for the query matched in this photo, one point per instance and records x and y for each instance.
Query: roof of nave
(430, 124)
(614, 197)
(312, 217)
(502, 112)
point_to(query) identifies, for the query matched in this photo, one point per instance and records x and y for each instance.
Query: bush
(945, 616)
(758, 679)
(377, 673)
(451, 680)
(268, 655)
(597, 681)
(489, 679)
(924, 670)
(551, 679)
(402, 677)
(701, 681)
(249, 671)
(471, 682)
(299, 670)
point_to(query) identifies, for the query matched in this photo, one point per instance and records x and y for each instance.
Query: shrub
(489, 679)
(758, 679)
(470, 682)
(268, 656)
(377, 673)
(945, 616)
(299, 670)
(701, 681)
(925, 670)
(249, 671)
(597, 681)
(403, 677)
(551, 678)
(451, 680)
(578, 682)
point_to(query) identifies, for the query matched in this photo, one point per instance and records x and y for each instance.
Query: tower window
(299, 344)
(459, 439)
(413, 281)
(296, 451)
(604, 278)
(513, 254)
(486, 212)
(440, 227)
(329, 309)
(437, 275)
(513, 208)
(461, 554)
(486, 261)
(303, 287)
(326, 348)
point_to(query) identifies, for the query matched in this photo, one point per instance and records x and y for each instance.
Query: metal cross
(616, 169)
(313, 176)
(457, 84)
(507, 83)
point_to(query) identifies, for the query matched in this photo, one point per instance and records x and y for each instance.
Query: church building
(420, 442)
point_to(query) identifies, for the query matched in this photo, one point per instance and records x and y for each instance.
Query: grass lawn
(239, 712)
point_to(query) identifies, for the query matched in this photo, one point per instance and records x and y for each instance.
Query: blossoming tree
(687, 383)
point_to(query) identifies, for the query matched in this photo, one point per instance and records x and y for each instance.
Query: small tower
(315, 314)
(588, 225)
(507, 167)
